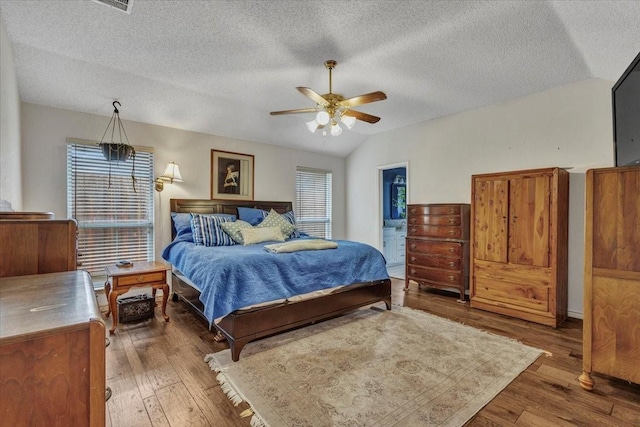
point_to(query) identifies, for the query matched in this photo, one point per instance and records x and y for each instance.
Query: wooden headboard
(206, 206)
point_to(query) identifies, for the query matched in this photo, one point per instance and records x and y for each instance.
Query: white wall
(44, 134)
(10, 164)
(569, 126)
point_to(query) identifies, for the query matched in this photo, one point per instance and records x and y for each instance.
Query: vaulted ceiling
(220, 67)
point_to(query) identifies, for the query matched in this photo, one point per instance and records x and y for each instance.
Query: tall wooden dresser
(52, 355)
(34, 246)
(519, 241)
(611, 327)
(438, 246)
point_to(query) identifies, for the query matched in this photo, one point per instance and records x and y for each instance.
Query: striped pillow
(207, 231)
(291, 217)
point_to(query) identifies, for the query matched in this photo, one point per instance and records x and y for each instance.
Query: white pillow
(262, 234)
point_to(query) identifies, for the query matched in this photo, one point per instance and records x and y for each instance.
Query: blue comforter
(233, 277)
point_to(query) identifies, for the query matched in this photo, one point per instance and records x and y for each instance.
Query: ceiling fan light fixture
(312, 125)
(323, 117)
(335, 129)
(348, 121)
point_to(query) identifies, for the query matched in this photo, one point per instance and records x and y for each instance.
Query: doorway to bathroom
(393, 216)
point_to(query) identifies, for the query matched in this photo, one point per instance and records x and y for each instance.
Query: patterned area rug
(372, 367)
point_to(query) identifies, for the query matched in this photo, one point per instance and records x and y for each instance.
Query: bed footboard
(242, 328)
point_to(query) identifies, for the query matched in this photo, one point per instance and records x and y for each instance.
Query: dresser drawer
(434, 220)
(136, 279)
(437, 231)
(441, 248)
(452, 278)
(434, 261)
(434, 210)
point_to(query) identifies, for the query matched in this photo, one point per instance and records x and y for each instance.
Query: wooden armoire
(611, 328)
(519, 233)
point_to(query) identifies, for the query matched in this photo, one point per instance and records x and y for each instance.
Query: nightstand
(121, 279)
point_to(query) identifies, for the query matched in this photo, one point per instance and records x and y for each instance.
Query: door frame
(381, 169)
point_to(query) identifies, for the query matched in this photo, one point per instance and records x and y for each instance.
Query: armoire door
(529, 218)
(491, 209)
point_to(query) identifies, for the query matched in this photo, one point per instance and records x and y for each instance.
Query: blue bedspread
(233, 277)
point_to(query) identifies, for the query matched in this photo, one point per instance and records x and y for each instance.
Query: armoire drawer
(434, 220)
(435, 261)
(432, 275)
(434, 247)
(436, 231)
(434, 210)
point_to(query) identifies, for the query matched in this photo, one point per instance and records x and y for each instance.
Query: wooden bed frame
(243, 326)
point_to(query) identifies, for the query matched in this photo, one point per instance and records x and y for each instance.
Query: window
(114, 222)
(313, 202)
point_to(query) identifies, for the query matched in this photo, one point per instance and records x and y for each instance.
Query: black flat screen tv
(625, 96)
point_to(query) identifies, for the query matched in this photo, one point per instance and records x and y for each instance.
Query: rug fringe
(232, 393)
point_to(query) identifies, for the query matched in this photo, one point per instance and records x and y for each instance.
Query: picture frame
(231, 175)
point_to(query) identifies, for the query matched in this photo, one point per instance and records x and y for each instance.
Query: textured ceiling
(220, 67)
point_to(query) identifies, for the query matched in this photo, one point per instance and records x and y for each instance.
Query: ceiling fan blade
(364, 99)
(297, 111)
(362, 116)
(318, 99)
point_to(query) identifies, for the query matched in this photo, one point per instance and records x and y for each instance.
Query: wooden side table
(121, 279)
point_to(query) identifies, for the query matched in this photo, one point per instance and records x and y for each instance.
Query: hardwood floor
(158, 377)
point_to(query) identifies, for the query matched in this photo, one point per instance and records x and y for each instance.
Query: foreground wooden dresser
(438, 246)
(52, 351)
(611, 341)
(519, 244)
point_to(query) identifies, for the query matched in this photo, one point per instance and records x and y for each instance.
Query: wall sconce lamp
(171, 174)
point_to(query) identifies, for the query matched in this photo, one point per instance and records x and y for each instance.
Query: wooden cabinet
(519, 234)
(611, 341)
(437, 246)
(52, 351)
(37, 246)
(394, 245)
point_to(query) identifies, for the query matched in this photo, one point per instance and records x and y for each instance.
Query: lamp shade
(348, 121)
(312, 125)
(335, 129)
(171, 173)
(323, 117)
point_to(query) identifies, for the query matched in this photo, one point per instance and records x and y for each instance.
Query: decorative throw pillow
(182, 224)
(291, 217)
(207, 230)
(275, 219)
(233, 230)
(261, 234)
(252, 215)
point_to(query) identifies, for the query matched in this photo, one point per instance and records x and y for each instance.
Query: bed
(250, 323)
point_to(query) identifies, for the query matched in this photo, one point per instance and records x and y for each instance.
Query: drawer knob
(412, 220)
(452, 221)
(413, 271)
(452, 249)
(413, 230)
(140, 278)
(452, 264)
(452, 232)
(452, 211)
(452, 278)
(413, 259)
(413, 245)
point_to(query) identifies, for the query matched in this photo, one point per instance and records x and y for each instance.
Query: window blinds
(313, 202)
(114, 222)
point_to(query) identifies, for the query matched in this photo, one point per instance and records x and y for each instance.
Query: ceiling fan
(332, 107)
